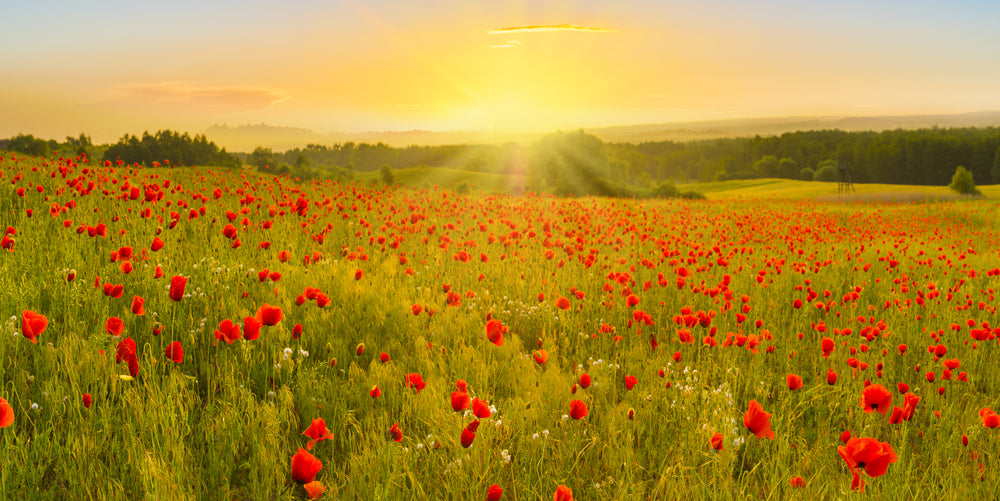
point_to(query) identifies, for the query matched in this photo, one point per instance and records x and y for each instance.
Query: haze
(107, 68)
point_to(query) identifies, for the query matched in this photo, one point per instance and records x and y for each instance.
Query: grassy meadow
(450, 342)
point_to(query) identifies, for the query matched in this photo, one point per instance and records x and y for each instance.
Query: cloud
(511, 44)
(545, 28)
(225, 99)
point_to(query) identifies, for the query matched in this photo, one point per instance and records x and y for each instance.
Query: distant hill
(247, 137)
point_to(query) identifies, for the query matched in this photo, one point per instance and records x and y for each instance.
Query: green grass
(225, 423)
(790, 189)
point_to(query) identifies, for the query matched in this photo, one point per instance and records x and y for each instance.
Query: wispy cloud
(511, 44)
(543, 28)
(228, 99)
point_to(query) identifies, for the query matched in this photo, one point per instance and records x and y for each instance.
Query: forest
(578, 163)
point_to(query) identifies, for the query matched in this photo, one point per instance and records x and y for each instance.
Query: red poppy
(797, 483)
(827, 347)
(462, 386)
(127, 353)
(716, 441)
(563, 493)
(305, 466)
(562, 303)
(794, 381)
(395, 433)
(577, 409)
(910, 402)
(177, 284)
(87, 399)
(480, 408)
(494, 331)
(157, 244)
(375, 392)
(584, 380)
(467, 437)
(297, 331)
(630, 382)
(459, 400)
(269, 315)
(314, 489)
(876, 398)
(114, 326)
(831, 377)
(175, 352)
(227, 331)
(990, 418)
(541, 356)
(494, 493)
(138, 305)
(251, 328)
(415, 381)
(317, 431)
(758, 421)
(384, 357)
(868, 454)
(6, 414)
(33, 324)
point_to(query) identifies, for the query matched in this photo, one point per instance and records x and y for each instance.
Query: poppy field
(211, 334)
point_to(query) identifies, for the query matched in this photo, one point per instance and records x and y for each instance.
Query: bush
(827, 172)
(963, 183)
(807, 174)
(388, 177)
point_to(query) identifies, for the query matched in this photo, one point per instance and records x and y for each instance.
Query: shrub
(807, 174)
(963, 183)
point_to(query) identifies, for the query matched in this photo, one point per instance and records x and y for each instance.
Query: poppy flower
(297, 331)
(990, 418)
(175, 352)
(758, 421)
(177, 284)
(794, 381)
(459, 400)
(415, 381)
(375, 392)
(541, 356)
(395, 433)
(157, 244)
(716, 441)
(480, 408)
(562, 303)
(87, 399)
(494, 493)
(33, 324)
(467, 437)
(360, 349)
(127, 353)
(797, 482)
(831, 377)
(462, 386)
(6, 414)
(494, 331)
(314, 489)
(251, 328)
(227, 331)
(577, 409)
(867, 454)
(876, 398)
(384, 357)
(416, 309)
(563, 493)
(827, 347)
(317, 431)
(138, 305)
(910, 402)
(630, 382)
(269, 315)
(305, 466)
(114, 326)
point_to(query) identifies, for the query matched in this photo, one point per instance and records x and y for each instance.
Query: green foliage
(788, 168)
(827, 172)
(767, 166)
(806, 174)
(169, 147)
(962, 182)
(29, 145)
(387, 177)
(262, 158)
(995, 172)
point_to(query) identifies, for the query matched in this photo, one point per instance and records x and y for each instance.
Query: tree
(262, 157)
(807, 174)
(826, 171)
(767, 166)
(788, 168)
(962, 182)
(995, 173)
(387, 176)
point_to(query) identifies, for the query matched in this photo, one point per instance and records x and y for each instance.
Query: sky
(112, 67)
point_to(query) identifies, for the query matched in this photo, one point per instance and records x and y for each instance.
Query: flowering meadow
(210, 334)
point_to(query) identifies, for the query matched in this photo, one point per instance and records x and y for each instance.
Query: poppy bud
(360, 349)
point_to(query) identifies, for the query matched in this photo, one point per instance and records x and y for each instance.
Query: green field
(663, 319)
